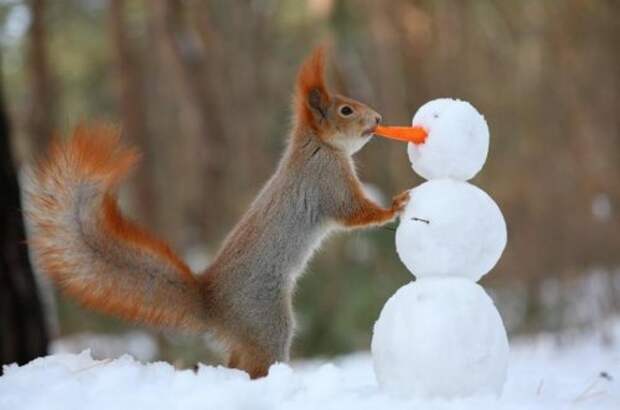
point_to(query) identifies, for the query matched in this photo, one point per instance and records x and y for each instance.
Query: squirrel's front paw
(400, 201)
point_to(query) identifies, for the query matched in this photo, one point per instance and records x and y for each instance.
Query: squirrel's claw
(400, 201)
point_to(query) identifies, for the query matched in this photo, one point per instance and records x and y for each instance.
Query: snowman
(441, 335)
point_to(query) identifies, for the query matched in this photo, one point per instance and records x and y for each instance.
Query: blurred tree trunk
(23, 332)
(133, 110)
(202, 150)
(238, 80)
(40, 113)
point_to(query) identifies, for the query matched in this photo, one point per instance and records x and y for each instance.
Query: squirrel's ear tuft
(312, 97)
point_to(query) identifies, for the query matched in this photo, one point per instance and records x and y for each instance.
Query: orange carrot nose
(416, 135)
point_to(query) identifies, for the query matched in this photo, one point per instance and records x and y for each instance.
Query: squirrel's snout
(372, 120)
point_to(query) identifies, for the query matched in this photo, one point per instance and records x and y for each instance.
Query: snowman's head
(457, 143)
(338, 121)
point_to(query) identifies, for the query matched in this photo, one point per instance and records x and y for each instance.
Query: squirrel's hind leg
(255, 357)
(253, 360)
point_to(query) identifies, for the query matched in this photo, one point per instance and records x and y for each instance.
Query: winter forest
(204, 90)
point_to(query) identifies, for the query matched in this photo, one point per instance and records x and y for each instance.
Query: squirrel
(82, 241)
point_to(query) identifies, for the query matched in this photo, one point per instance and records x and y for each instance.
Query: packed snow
(450, 228)
(542, 375)
(440, 337)
(457, 142)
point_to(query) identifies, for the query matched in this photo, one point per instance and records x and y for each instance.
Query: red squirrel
(81, 239)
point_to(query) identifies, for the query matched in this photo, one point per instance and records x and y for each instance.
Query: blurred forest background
(203, 88)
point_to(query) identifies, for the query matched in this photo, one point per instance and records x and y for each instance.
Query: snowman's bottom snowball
(440, 337)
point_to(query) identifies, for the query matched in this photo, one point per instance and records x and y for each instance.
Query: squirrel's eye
(345, 110)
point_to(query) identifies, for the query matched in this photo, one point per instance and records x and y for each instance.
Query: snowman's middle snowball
(450, 228)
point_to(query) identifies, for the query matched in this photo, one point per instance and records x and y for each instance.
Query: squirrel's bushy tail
(81, 240)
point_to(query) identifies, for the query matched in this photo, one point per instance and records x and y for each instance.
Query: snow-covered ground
(582, 374)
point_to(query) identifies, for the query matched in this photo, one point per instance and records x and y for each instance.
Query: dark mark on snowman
(426, 221)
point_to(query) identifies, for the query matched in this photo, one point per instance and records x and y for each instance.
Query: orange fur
(311, 76)
(249, 359)
(94, 153)
(94, 160)
(125, 230)
(367, 213)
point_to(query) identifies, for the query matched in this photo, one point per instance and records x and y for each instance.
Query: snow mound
(440, 337)
(457, 143)
(540, 376)
(139, 344)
